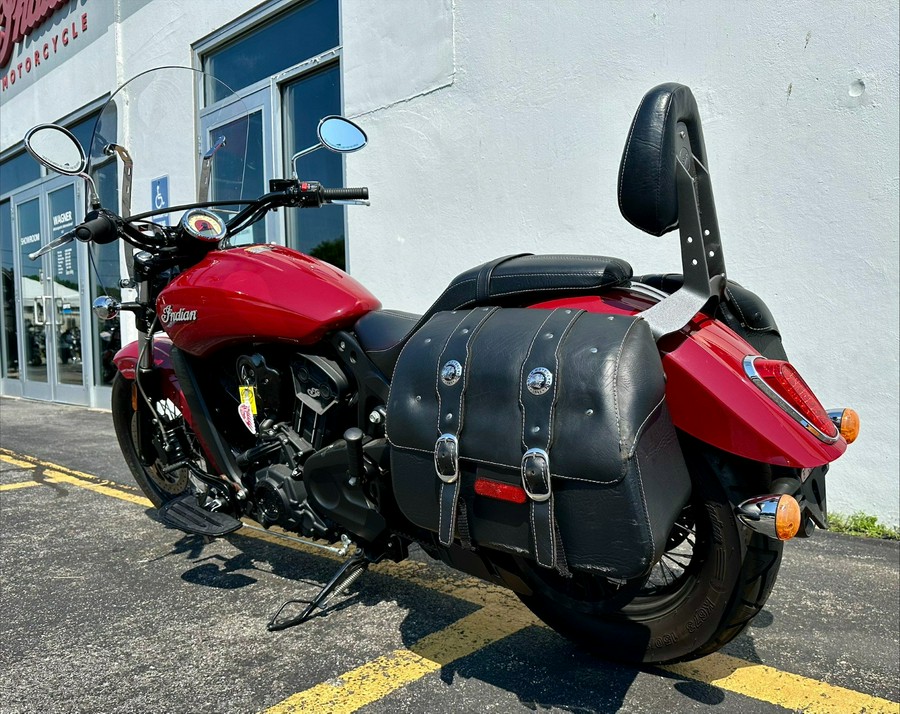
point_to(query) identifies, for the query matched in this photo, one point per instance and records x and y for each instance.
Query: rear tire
(723, 584)
(134, 431)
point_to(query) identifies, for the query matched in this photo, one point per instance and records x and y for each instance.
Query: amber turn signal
(849, 425)
(787, 517)
(774, 515)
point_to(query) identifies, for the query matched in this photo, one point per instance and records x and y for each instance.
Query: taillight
(784, 385)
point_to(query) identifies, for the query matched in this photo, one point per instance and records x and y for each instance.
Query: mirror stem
(301, 154)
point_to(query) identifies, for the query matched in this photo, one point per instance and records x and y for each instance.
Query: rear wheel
(713, 578)
(136, 427)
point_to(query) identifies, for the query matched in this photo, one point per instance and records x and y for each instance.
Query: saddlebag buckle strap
(446, 458)
(536, 475)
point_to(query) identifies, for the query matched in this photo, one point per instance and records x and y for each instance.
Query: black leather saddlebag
(541, 433)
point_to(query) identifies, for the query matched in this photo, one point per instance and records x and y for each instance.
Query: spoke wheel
(135, 431)
(712, 579)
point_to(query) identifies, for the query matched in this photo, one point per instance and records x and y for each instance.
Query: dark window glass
(237, 169)
(34, 303)
(106, 339)
(83, 131)
(292, 38)
(9, 350)
(320, 232)
(18, 171)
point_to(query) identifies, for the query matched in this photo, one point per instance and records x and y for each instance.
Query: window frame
(273, 106)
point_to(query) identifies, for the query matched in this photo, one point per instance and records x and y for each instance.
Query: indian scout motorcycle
(627, 454)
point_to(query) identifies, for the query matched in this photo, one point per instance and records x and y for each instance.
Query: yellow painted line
(501, 615)
(58, 476)
(16, 462)
(376, 679)
(784, 689)
(20, 484)
(24, 461)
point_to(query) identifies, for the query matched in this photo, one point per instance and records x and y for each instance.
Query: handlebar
(102, 226)
(345, 194)
(100, 229)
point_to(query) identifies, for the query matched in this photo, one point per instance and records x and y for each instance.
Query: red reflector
(785, 381)
(500, 491)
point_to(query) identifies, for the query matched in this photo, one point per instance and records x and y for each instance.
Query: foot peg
(186, 514)
(343, 579)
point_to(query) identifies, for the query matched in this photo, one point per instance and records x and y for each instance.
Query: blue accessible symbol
(159, 198)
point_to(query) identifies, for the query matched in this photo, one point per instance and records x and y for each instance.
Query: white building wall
(496, 127)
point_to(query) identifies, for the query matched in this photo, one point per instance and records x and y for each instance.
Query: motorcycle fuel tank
(259, 293)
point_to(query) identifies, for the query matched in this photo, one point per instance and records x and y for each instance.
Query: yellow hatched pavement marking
(20, 484)
(787, 690)
(500, 615)
(60, 474)
(378, 678)
(16, 462)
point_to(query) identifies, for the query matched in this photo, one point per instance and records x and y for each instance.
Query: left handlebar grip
(100, 229)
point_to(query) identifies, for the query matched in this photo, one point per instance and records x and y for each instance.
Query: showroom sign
(22, 51)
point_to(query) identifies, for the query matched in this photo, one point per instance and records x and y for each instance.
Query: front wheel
(137, 426)
(712, 579)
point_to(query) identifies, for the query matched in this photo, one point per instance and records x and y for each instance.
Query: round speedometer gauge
(203, 225)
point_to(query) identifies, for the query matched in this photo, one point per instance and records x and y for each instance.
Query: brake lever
(349, 202)
(53, 245)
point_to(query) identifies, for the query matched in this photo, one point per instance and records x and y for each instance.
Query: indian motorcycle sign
(27, 44)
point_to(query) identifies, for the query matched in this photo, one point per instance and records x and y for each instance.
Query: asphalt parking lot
(105, 610)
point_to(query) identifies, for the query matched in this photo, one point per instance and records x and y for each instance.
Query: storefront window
(18, 171)
(318, 233)
(288, 48)
(9, 348)
(105, 269)
(291, 38)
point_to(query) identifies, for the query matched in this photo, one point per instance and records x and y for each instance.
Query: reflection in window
(238, 171)
(9, 347)
(18, 171)
(292, 38)
(34, 304)
(319, 233)
(105, 336)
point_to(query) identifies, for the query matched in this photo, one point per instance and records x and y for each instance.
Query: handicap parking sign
(159, 198)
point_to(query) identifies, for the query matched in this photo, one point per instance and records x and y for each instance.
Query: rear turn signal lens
(847, 422)
(775, 515)
(787, 517)
(781, 381)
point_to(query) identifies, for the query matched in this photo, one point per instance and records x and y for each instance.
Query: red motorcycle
(626, 453)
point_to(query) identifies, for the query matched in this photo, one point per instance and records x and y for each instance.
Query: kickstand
(343, 578)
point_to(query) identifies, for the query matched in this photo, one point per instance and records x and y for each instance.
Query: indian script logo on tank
(171, 316)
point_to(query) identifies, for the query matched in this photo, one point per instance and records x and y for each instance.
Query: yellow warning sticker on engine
(248, 397)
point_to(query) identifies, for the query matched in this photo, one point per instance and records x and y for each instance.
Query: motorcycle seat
(511, 281)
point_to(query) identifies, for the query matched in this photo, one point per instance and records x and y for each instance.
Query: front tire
(713, 579)
(134, 425)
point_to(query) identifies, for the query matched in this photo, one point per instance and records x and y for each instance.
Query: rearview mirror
(341, 135)
(56, 148)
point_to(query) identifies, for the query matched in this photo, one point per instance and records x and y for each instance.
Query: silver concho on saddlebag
(539, 380)
(451, 372)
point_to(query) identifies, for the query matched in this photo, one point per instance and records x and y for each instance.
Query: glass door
(50, 294)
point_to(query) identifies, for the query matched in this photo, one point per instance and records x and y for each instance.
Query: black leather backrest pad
(648, 198)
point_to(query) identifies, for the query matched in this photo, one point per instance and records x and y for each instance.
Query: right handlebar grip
(99, 229)
(345, 194)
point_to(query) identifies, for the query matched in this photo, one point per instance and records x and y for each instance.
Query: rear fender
(709, 395)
